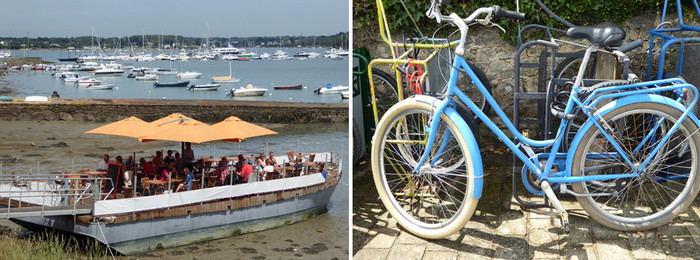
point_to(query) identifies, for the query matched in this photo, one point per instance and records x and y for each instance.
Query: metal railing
(50, 194)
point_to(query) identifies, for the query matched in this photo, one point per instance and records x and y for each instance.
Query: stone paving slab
(502, 229)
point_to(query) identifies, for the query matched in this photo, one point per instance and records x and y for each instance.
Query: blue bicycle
(632, 165)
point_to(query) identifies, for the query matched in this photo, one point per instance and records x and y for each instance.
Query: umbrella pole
(331, 148)
(298, 144)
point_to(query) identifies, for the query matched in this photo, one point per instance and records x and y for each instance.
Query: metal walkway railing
(38, 195)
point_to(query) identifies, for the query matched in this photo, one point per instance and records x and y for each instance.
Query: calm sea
(311, 73)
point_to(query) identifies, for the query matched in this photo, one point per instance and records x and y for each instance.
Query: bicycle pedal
(565, 222)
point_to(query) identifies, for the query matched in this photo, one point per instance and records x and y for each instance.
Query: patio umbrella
(183, 131)
(129, 127)
(173, 118)
(234, 129)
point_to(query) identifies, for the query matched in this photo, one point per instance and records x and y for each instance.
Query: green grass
(48, 246)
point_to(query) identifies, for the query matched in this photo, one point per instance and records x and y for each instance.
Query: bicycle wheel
(437, 201)
(667, 185)
(568, 69)
(385, 91)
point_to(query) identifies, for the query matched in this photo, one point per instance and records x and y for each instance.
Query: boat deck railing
(50, 194)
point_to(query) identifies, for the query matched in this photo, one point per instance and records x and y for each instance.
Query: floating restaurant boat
(173, 84)
(288, 87)
(145, 223)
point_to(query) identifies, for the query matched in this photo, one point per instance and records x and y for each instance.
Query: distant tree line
(174, 41)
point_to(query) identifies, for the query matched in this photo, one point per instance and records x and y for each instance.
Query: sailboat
(225, 79)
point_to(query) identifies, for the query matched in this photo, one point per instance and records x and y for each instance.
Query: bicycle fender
(616, 104)
(468, 135)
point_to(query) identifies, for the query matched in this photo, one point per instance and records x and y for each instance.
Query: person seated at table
(273, 161)
(169, 158)
(187, 182)
(169, 172)
(102, 166)
(146, 169)
(222, 170)
(17, 180)
(298, 167)
(130, 164)
(269, 172)
(246, 170)
(188, 156)
(239, 164)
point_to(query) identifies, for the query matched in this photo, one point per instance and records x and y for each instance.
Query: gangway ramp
(38, 211)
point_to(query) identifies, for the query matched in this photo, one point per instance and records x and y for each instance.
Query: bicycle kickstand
(555, 202)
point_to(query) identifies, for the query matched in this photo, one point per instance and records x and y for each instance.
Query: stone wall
(109, 110)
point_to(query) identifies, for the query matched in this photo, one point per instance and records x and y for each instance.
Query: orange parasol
(183, 131)
(174, 117)
(129, 127)
(235, 129)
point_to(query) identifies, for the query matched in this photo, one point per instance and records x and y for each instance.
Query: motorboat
(147, 77)
(173, 84)
(167, 72)
(109, 72)
(100, 87)
(72, 78)
(248, 91)
(64, 74)
(189, 75)
(331, 89)
(289, 87)
(204, 87)
(84, 82)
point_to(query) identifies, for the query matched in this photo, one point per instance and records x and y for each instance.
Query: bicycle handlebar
(630, 46)
(499, 12)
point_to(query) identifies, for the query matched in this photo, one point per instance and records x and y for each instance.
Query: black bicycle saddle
(602, 35)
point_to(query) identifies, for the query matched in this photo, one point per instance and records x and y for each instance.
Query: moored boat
(331, 89)
(109, 72)
(345, 94)
(289, 87)
(248, 91)
(189, 75)
(204, 87)
(147, 77)
(100, 86)
(84, 82)
(172, 84)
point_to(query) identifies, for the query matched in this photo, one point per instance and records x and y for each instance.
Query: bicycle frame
(640, 91)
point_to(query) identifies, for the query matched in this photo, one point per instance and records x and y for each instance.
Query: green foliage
(152, 41)
(580, 12)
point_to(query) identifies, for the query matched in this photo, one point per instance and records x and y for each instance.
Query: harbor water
(311, 73)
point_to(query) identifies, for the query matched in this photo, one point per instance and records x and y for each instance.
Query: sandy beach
(54, 146)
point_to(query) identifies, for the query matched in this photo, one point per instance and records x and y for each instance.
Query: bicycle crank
(557, 205)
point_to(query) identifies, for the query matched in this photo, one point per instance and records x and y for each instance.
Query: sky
(221, 18)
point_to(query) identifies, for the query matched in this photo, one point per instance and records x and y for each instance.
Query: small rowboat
(174, 84)
(288, 87)
(101, 87)
(204, 87)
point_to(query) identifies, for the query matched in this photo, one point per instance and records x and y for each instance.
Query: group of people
(174, 166)
(159, 167)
